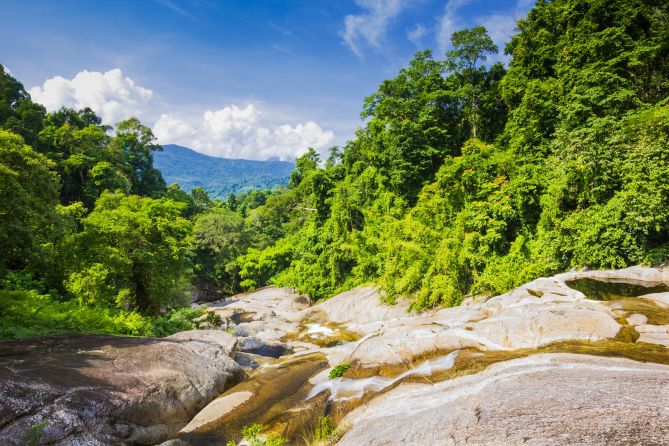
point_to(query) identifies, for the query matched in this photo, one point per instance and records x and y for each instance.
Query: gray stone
(538, 400)
(96, 389)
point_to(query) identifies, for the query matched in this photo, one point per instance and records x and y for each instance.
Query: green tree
(219, 238)
(134, 253)
(18, 113)
(470, 46)
(137, 144)
(303, 165)
(28, 197)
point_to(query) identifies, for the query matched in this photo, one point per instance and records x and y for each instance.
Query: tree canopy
(467, 178)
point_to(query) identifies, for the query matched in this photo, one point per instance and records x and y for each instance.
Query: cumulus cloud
(240, 132)
(111, 95)
(172, 128)
(231, 132)
(370, 27)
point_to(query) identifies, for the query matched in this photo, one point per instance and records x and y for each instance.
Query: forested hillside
(473, 178)
(219, 177)
(467, 178)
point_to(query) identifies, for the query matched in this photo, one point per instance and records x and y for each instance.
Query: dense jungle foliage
(467, 178)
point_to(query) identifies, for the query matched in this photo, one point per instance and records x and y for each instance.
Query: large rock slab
(637, 273)
(97, 389)
(538, 313)
(538, 400)
(360, 310)
(267, 314)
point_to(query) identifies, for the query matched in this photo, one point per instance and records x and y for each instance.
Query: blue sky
(245, 78)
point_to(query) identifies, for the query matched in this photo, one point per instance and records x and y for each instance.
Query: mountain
(219, 176)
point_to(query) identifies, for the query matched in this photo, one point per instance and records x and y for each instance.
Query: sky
(238, 79)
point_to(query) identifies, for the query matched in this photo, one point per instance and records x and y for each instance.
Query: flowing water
(342, 389)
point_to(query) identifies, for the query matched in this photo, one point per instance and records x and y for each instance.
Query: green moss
(627, 333)
(339, 370)
(656, 314)
(340, 335)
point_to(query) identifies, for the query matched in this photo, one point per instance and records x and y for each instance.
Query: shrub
(28, 313)
(252, 435)
(339, 370)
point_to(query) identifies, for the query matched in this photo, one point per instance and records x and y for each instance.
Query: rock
(397, 345)
(647, 328)
(263, 348)
(274, 390)
(653, 334)
(206, 342)
(97, 389)
(634, 273)
(530, 326)
(538, 400)
(654, 338)
(267, 303)
(661, 299)
(518, 319)
(636, 319)
(360, 309)
(217, 409)
(267, 314)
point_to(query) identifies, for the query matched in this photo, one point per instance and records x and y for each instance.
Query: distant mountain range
(219, 176)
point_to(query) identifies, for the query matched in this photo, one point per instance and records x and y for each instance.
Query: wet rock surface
(391, 350)
(506, 364)
(538, 400)
(95, 389)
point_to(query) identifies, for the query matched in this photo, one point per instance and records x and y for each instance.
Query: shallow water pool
(612, 290)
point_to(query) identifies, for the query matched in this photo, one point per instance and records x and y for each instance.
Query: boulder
(98, 389)
(360, 310)
(267, 314)
(537, 400)
(539, 313)
(635, 273)
(636, 319)
(654, 334)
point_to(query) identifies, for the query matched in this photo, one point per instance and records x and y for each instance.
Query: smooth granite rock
(96, 389)
(538, 400)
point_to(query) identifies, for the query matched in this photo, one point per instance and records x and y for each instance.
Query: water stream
(342, 389)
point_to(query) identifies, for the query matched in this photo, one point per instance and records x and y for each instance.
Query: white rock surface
(661, 299)
(538, 400)
(636, 319)
(518, 319)
(360, 309)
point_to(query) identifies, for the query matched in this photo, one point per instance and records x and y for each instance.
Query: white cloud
(232, 131)
(110, 95)
(370, 28)
(172, 128)
(240, 132)
(416, 35)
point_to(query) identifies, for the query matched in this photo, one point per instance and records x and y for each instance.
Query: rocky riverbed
(578, 358)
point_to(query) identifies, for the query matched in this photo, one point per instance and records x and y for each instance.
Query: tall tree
(470, 46)
(134, 253)
(18, 113)
(28, 197)
(137, 144)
